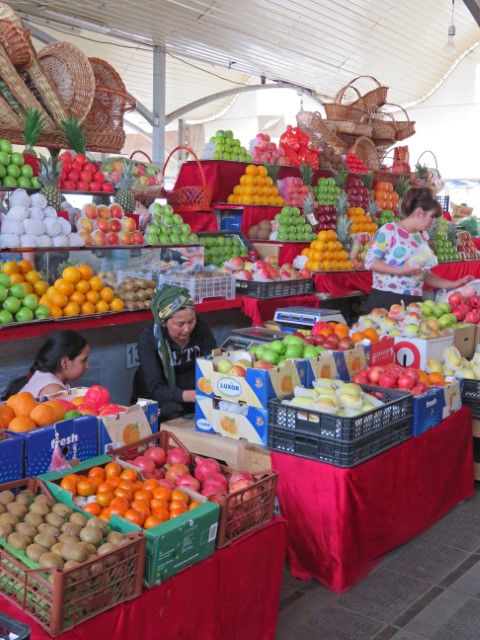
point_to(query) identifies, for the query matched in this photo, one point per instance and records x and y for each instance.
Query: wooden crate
(237, 454)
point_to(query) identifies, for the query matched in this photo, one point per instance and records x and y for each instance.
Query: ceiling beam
(474, 8)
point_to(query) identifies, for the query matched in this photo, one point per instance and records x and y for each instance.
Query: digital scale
(291, 319)
(244, 339)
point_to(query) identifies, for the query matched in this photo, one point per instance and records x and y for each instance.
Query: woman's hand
(459, 283)
(408, 270)
(189, 396)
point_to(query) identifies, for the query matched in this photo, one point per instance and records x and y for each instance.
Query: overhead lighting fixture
(73, 21)
(450, 47)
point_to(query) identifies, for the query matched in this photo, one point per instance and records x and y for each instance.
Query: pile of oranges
(23, 273)
(112, 490)
(385, 196)
(79, 292)
(22, 412)
(326, 253)
(366, 334)
(361, 221)
(255, 187)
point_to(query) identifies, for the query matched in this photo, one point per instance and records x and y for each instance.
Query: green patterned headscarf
(166, 301)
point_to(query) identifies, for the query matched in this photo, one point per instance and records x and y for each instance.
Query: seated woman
(167, 350)
(62, 359)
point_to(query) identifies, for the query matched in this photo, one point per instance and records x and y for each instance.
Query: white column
(159, 88)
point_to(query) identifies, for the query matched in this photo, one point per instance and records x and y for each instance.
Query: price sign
(131, 355)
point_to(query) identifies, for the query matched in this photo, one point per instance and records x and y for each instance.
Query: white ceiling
(317, 44)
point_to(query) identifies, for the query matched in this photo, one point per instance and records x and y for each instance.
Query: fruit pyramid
(255, 187)
(361, 221)
(326, 253)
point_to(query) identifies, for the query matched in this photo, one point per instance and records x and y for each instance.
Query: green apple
(27, 171)
(222, 366)
(72, 414)
(24, 314)
(4, 280)
(24, 182)
(278, 345)
(42, 312)
(271, 356)
(10, 181)
(294, 351)
(17, 158)
(310, 351)
(30, 301)
(3, 171)
(151, 238)
(36, 184)
(5, 317)
(13, 170)
(3, 293)
(6, 145)
(17, 290)
(4, 158)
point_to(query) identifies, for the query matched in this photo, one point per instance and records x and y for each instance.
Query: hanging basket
(393, 173)
(189, 198)
(383, 128)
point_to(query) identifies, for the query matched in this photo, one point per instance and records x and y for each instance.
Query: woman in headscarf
(167, 350)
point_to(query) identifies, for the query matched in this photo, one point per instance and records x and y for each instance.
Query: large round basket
(373, 99)
(189, 198)
(71, 72)
(338, 110)
(314, 126)
(366, 151)
(403, 128)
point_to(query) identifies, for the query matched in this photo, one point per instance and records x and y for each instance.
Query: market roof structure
(215, 45)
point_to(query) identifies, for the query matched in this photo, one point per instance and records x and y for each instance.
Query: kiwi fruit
(98, 522)
(25, 528)
(45, 540)
(5, 529)
(34, 551)
(48, 529)
(40, 507)
(70, 564)
(74, 552)
(2, 508)
(92, 535)
(51, 560)
(9, 518)
(54, 519)
(19, 510)
(62, 510)
(34, 519)
(23, 498)
(71, 528)
(57, 548)
(90, 548)
(252, 232)
(68, 538)
(19, 541)
(6, 497)
(78, 518)
(42, 498)
(115, 537)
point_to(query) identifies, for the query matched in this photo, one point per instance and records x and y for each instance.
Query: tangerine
(163, 493)
(137, 517)
(105, 486)
(40, 287)
(69, 484)
(104, 499)
(162, 513)
(85, 271)
(178, 494)
(150, 484)
(358, 336)
(143, 494)
(42, 414)
(71, 274)
(341, 330)
(129, 474)
(10, 267)
(436, 378)
(123, 493)
(151, 521)
(112, 469)
(371, 334)
(20, 424)
(178, 507)
(96, 471)
(25, 266)
(93, 508)
(16, 278)
(86, 488)
(193, 505)
(32, 276)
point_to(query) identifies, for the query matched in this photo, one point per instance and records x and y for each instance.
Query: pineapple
(342, 204)
(49, 177)
(105, 200)
(75, 135)
(340, 175)
(307, 173)
(272, 170)
(309, 209)
(367, 180)
(124, 195)
(403, 184)
(343, 231)
(452, 233)
(34, 124)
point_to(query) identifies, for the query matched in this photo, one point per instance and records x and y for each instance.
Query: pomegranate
(205, 467)
(175, 471)
(144, 463)
(178, 455)
(157, 454)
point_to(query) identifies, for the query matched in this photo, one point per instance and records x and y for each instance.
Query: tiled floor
(427, 588)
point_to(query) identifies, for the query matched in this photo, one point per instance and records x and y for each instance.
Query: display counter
(234, 594)
(342, 521)
(261, 310)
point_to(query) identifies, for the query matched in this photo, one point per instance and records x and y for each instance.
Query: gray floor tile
(469, 582)
(464, 624)
(406, 635)
(336, 623)
(383, 595)
(297, 610)
(436, 613)
(426, 560)
(459, 530)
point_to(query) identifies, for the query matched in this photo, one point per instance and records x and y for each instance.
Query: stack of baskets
(61, 82)
(363, 126)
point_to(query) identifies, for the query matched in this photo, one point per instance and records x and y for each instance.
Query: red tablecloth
(262, 310)
(348, 518)
(339, 283)
(234, 594)
(254, 215)
(201, 220)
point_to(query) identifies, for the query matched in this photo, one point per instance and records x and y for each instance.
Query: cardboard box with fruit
(434, 405)
(11, 455)
(231, 419)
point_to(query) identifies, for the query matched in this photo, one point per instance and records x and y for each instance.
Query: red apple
(72, 176)
(81, 186)
(475, 301)
(103, 225)
(85, 176)
(413, 373)
(116, 211)
(472, 316)
(374, 374)
(90, 211)
(107, 187)
(94, 186)
(261, 364)
(360, 378)
(115, 225)
(455, 299)
(129, 224)
(237, 370)
(99, 177)
(125, 237)
(99, 238)
(68, 185)
(113, 239)
(138, 238)
(90, 167)
(344, 344)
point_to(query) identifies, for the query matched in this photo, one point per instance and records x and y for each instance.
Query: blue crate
(433, 406)
(230, 221)
(11, 455)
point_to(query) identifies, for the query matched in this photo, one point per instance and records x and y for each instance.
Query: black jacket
(150, 381)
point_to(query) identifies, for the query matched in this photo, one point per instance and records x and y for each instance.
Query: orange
(22, 403)
(134, 516)
(92, 296)
(58, 299)
(106, 294)
(162, 493)
(69, 484)
(10, 267)
(112, 469)
(151, 521)
(40, 287)
(95, 283)
(21, 423)
(25, 266)
(129, 474)
(436, 378)
(117, 304)
(57, 408)
(32, 276)
(85, 271)
(423, 377)
(96, 471)
(71, 274)
(71, 309)
(78, 400)
(16, 278)
(85, 487)
(93, 508)
(150, 484)
(143, 494)
(87, 308)
(83, 286)
(178, 494)
(64, 287)
(104, 499)
(358, 336)
(341, 330)
(6, 415)
(252, 170)
(102, 306)
(371, 334)
(194, 504)
(78, 297)
(55, 311)
(326, 331)
(43, 414)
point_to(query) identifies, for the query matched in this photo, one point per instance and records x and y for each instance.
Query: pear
(367, 406)
(326, 382)
(300, 392)
(452, 357)
(447, 371)
(350, 401)
(304, 402)
(353, 388)
(434, 366)
(465, 373)
(476, 371)
(327, 401)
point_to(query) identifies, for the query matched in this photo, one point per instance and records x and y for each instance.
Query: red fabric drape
(234, 594)
(349, 518)
(255, 215)
(263, 310)
(200, 220)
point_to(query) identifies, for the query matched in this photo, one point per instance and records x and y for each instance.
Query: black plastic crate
(11, 628)
(397, 408)
(275, 289)
(471, 396)
(335, 452)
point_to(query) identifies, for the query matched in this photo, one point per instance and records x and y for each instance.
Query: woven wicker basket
(314, 126)
(111, 99)
(350, 127)
(403, 128)
(337, 110)
(373, 99)
(366, 151)
(149, 190)
(392, 175)
(15, 42)
(383, 128)
(189, 198)
(71, 72)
